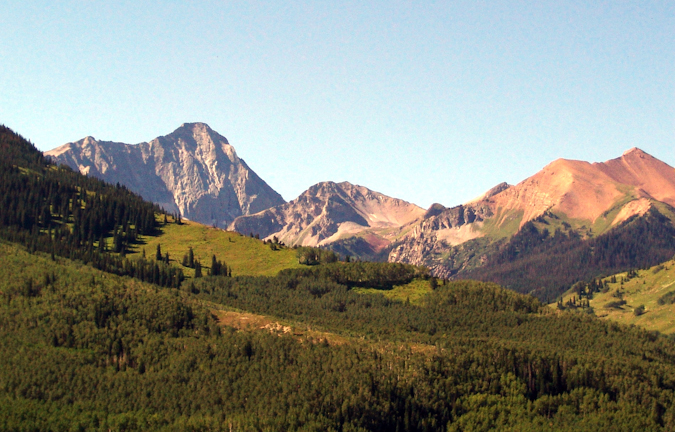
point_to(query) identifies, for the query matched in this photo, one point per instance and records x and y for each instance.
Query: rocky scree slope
(193, 171)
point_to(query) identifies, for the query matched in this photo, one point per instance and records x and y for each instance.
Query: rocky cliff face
(328, 212)
(429, 240)
(193, 171)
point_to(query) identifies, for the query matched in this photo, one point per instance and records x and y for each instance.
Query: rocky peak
(327, 212)
(634, 151)
(193, 171)
(434, 210)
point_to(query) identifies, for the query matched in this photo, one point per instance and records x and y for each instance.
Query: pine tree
(215, 267)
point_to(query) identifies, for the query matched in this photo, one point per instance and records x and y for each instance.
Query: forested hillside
(545, 264)
(642, 297)
(55, 210)
(79, 348)
(91, 341)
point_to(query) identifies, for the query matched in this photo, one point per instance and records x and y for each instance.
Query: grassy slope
(645, 289)
(503, 224)
(414, 291)
(247, 256)
(17, 266)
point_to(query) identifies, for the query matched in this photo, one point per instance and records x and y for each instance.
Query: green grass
(605, 221)
(503, 224)
(415, 291)
(245, 255)
(645, 289)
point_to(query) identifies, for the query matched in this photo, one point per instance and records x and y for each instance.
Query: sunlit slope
(413, 292)
(587, 191)
(246, 256)
(644, 288)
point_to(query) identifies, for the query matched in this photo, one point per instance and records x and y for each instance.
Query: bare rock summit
(193, 171)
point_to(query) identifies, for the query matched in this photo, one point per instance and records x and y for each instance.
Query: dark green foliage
(16, 150)
(667, 298)
(314, 256)
(640, 310)
(189, 259)
(218, 268)
(101, 353)
(615, 304)
(361, 274)
(546, 265)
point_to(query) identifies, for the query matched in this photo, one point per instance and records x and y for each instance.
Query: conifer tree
(215, 267)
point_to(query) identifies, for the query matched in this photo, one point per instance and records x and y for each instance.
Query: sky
(424, 101)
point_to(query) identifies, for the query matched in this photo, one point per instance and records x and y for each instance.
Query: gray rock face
(193, 171)
(328, 212)
(438, 233)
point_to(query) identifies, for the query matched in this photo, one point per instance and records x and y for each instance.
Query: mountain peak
(328, 212)
(633, 151)
(193, 171)
(195, 125)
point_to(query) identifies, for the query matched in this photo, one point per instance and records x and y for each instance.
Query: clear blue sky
(424, 101)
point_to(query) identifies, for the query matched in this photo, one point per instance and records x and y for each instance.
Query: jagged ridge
(193, 171)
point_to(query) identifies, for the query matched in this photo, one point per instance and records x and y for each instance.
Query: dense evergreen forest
(91, 341)
(547, 264)
(83, 350)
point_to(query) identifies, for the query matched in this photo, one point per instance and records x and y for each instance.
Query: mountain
(84, 329)
(588, 191)
(328, 212)
(193, 171)
(517, 235)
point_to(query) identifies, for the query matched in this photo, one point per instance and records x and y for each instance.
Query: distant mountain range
(196, 172)
(193, 171)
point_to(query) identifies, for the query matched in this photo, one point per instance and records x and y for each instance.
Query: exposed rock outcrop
(439, 230)
(193, 171)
